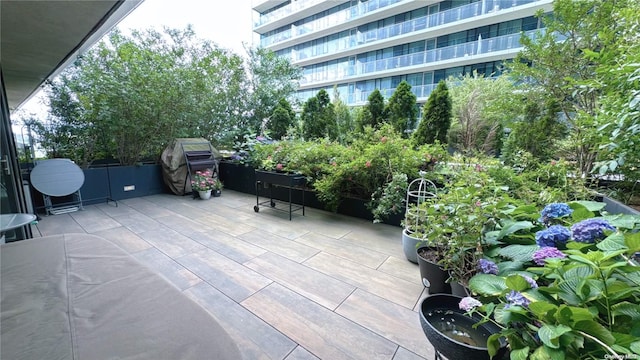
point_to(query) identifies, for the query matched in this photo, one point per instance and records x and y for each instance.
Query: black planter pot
(216, 193)
(451, 332)
(432, 275)
(458, 289)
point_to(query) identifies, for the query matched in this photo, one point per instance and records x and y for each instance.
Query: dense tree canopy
(401, 109)
(319, 118)
(131, 94)
(561, 62)
(436, 117)
(373, 113)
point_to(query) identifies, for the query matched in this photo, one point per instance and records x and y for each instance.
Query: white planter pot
(205, 194)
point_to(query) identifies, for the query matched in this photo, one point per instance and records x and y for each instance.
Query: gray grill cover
(174, 166)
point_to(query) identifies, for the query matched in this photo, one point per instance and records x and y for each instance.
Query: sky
(227, 23)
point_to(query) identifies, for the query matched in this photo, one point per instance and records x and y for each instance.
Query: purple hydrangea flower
(487, 267)
(468, 303)
(590, 230)
(531, 282)
(554, 236)
(554, 211)
(516, 298)
(546, 253)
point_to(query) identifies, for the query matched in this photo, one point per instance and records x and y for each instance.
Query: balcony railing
(478, 47)
(285, 11)
(406, 27)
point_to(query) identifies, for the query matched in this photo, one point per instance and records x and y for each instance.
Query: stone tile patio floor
(321, 286)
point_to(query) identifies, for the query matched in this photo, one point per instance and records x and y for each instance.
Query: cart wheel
(273, 204)
(256, 208)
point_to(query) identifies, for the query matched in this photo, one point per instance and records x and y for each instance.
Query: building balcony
(481, 50)
(345, 20)
(356, 15)
(291, 13)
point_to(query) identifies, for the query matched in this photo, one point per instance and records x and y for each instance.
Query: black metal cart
(278, 179)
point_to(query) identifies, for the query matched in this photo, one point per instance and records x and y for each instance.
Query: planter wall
(108, 182)
(616, 207)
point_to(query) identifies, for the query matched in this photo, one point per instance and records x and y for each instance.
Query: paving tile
(323, 332)
(404, 354)
(255, 338)
(300, 353)
(59, 224)
(227, 245)
(182, 224)
(124, 238)
(93, 221)
(148, 208)
(401, 268)
(268, 223)
(115, 208)
(234, 280)
(394, 322)
(307, 282)
(171, 242)
(384, 238)
(282, 246)
(365, 256)
(229, 226)
(138, 222)
(376, 282)
(168, 268)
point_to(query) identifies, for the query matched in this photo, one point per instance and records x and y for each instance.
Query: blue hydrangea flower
(487, 267)
(590, 230)
(531, 282)
(554, 211)
(517, 299)
(468, 303)
(546, 253)
(554, 236)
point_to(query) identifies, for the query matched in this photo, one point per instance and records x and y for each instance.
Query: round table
(57, 177)
(14, 221)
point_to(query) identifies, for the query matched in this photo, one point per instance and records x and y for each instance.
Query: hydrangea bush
(563, 284)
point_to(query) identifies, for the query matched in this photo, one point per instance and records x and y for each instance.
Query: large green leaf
(488, 285)
(579, 272)
(595, 329)
(613, 242)
(517, 283)
(511, 228)
(521, 253)
(520, 354)
(632, 240)
(590, 205)
(493, 344)
(541, 309)
(635, 347)
(628, 309)
(550, 334)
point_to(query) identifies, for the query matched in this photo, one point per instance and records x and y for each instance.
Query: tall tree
(281, 119)
(436, 117)
(344, 119)
(559, 61)
(480, 109)
(319, 118)
(272, 77)
(373, 113)
(401, 109)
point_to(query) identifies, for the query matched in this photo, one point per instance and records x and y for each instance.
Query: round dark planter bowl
(451, 332)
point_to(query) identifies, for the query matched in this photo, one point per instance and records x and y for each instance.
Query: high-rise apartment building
(361, 45)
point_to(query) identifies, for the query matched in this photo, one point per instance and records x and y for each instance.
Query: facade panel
(361, 45)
